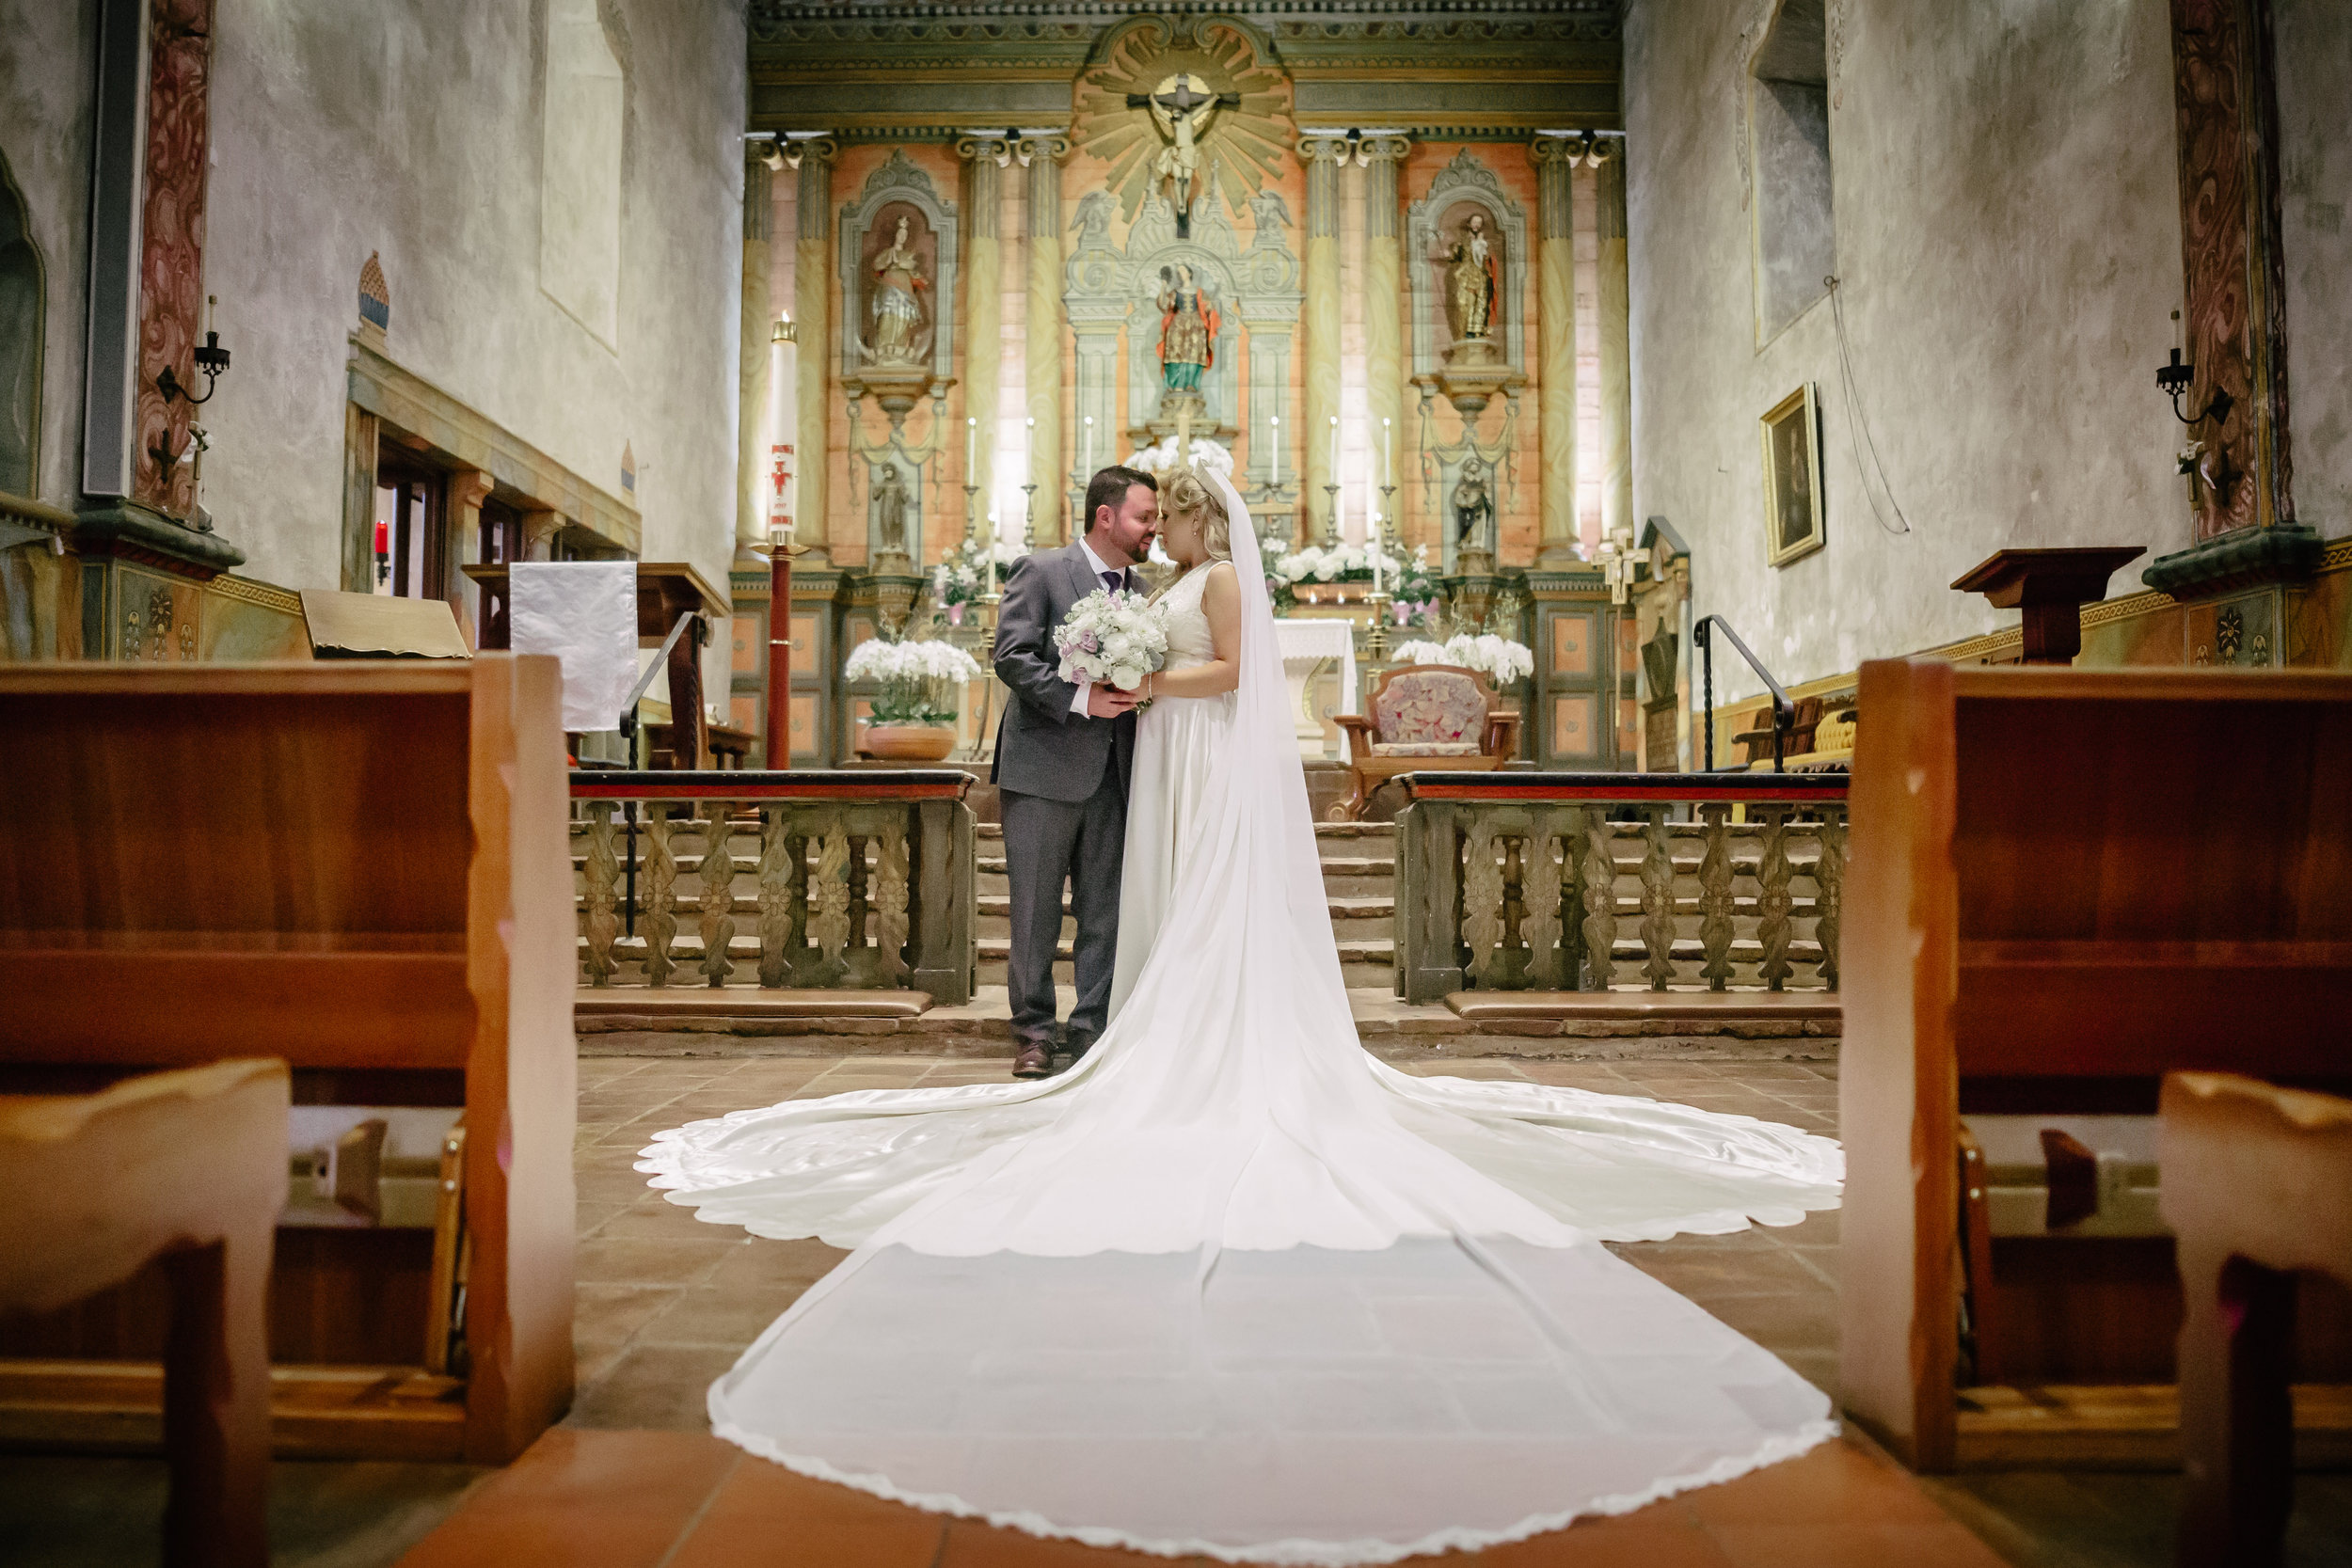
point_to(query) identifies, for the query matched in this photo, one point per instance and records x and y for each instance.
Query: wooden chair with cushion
(189, 1168)
(1425, 717)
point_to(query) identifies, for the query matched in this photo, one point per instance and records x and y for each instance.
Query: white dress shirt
(1086, 688)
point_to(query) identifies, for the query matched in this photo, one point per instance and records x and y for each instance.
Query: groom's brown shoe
(1036, 1059)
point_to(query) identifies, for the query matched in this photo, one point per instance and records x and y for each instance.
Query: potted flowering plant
(960, 580)
(910, 718)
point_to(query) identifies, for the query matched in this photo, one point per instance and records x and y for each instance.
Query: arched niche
(23, 301)
(867, 227)
(1463, 186)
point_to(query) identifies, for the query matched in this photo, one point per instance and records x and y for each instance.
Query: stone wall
(2008, 234)
(48, 74)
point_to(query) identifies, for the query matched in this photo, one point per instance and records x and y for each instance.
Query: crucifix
(1181, 107)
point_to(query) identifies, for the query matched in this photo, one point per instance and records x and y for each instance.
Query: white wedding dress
(1231, 1286)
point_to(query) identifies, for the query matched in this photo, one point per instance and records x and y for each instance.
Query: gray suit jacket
(1042, 747)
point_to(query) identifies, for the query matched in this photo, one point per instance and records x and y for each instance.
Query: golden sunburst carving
(1243, 139)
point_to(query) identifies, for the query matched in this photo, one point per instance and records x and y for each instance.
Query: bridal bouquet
(1114, 638)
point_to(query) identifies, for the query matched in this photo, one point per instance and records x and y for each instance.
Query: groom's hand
(1108, 702)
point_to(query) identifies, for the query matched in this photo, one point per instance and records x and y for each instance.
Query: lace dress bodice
(1188, 640)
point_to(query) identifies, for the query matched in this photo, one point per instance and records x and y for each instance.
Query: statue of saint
(1473, 507)
(1188, 329)
(890, 509)
(1471, 282)
(898, 304)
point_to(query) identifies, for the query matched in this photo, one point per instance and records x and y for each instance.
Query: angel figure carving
(1471, 282)
(897, 306)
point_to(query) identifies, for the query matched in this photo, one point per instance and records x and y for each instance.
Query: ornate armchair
(1424, 717)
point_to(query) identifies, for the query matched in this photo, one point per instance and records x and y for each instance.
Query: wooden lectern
(2051, 587)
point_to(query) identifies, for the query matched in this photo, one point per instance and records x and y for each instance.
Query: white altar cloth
(1307, 647)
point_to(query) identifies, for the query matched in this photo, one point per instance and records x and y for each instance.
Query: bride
(1231, 1286)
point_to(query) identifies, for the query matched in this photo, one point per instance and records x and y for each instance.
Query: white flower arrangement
(1206, 455)
(1498, 657)
(908, 672)
(962, 577)
(1112, 638)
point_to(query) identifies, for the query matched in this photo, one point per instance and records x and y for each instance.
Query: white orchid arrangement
(1111, 637)
(962, 577)
(1206, 455)
(1500, 659)
(911, 675)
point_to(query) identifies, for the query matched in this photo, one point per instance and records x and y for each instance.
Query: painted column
(1043, 155)
(754, 355)
(812, 299)
(1384, 326)
(1321, 322)
(1555, 390)
(983, 312)
(1616, 365)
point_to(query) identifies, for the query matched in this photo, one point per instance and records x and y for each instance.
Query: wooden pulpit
(2051, 588)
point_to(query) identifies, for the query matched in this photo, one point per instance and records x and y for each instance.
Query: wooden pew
(2061, 886)
(182, 1167)
(2258, 1189)
(362, 869)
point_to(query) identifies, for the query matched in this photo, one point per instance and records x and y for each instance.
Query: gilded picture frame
(1792, 432)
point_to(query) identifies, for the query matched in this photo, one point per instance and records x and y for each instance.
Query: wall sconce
(211, 359)
(2174, 379)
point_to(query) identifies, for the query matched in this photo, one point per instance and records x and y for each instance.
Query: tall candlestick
(1274, 446)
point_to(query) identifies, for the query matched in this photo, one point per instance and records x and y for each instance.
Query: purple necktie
(1111, 581)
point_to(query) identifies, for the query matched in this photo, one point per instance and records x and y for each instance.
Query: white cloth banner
(584, 613)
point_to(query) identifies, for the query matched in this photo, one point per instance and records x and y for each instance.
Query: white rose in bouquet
(1111, 638)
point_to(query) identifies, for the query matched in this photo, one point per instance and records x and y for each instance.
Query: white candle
(1274, 445)
(1089, 464)
(1386, 442)
(971, 447)
(1335, 449)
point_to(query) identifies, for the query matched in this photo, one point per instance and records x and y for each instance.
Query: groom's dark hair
(1108, 487)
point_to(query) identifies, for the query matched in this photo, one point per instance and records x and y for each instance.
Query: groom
(1063, 755)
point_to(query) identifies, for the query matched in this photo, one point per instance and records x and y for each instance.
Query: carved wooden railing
(797, 880)
(1586, 882)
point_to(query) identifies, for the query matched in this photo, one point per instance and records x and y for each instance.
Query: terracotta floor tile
(704, 1316)
(1836, 1483)
(638, 1261)
(655, 1218)
(1712, 1272)
(1603, 1543)
(653, 1387)
(1938, 1544)
(611, 1500)
(1779, 1323)
(760, 1262)
(619, 1188)
(971, 1545)
(617, 1311)
(766, 1516)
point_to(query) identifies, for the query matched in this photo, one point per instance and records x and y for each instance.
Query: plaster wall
(48, 93)
(2315, 60)
(2008, 233)
(415, 129)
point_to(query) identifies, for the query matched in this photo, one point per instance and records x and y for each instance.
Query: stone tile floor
(665, 1303)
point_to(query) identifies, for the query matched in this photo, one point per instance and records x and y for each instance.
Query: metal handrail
(1784, 706)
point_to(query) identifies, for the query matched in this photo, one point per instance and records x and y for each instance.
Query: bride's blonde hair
(1195, 499)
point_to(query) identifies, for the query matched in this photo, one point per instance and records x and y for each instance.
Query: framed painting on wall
(1792, 478)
